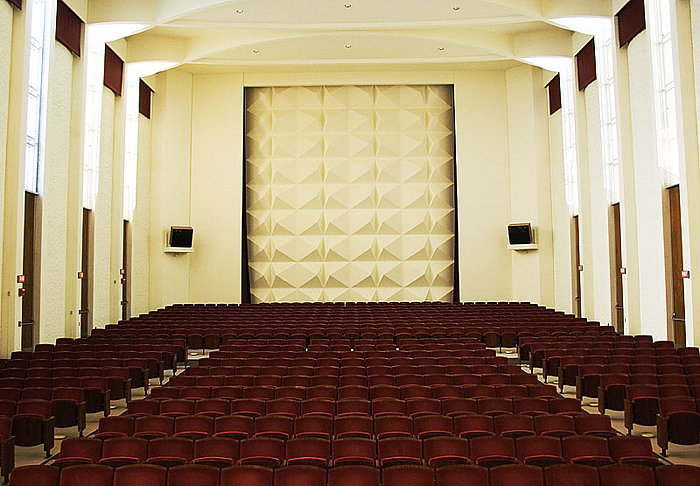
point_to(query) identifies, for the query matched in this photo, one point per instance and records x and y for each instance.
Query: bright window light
(95, 38)
(564, 66)
(134, 73)
(603, 32)
(41, 12)
(661, 32)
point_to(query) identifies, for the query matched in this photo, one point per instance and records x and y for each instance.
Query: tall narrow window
(40, 10)
(95, 38)
(131, 145)
(565, 68)
(568, 120)
(660, 31)
(605, 52)
(602, 30)
(134, 73)
(93, 114)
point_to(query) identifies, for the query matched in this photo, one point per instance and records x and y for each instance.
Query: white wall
(595, 243)
(170, 186)
(140, 240)
(561, 219)
(483, 199)
(648, 191)
(103, 275)
(54, 233)
(217, 162)
(202, 115)
(692, 183)
(6, 17)
(528, 144)
(13, 161)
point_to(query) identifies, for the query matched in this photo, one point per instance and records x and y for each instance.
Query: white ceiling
(211, 35)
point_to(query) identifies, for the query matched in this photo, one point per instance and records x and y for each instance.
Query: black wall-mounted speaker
(519, 234)
(181, 236)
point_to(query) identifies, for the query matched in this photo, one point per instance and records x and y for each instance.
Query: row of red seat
(219, 376)
(405, 392)
(541, 451)
(354, 360)
(174, 421)
(458, 475)
(451, 407)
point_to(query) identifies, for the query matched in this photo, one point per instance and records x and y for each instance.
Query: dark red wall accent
(145, 99)
(554, 90)
(114, 71)
(69, 28)
(631, 21)
(585, 65)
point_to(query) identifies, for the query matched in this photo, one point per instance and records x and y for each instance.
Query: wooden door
(86, 279)
(576, 263)
(618, 294)
(29, 265)
(676, 237)
(126, 270)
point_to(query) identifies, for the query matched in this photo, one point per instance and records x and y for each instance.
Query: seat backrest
(537, 445)
(82, 447)
(42, 408)
(626, 475)
(491, 445)
(300, 476)
(625, 446)
(584, 445)
(516, 474)
(248, 475)
(34, 475)
(140, 474)
(642, 391)
(571, 475)
(92, 474)
(352, 475)
(125, 447)
(677, 474)
(668, 406)
(171, 447)
(408, 476)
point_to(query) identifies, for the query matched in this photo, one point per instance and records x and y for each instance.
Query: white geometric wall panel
(350, 193)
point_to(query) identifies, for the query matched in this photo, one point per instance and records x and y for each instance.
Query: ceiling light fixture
(441, 48)
(348, 46)
(239, 10)
(348, 5)
(456, 7)
(255, 51)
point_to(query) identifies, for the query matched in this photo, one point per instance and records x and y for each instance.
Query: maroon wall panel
(554, 90)
(585, 65)
(631, 21)
(114, 71)
(69, 28)
(145, 99)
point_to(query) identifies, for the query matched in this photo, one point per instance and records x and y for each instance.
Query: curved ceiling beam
(153, 12)
(531, 8)
(572, 8)
(150, 45)
(555, 43)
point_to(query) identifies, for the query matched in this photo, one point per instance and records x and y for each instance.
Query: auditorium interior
(349, 242)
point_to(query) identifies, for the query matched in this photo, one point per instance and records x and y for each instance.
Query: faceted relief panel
(350, 193)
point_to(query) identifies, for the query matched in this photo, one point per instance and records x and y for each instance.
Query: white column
(648, 193)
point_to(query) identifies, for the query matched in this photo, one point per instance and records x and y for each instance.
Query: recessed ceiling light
(255, 51)
(456, 7)
(348, 5)
(239, 10)
(441, 48)
(348, 46)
